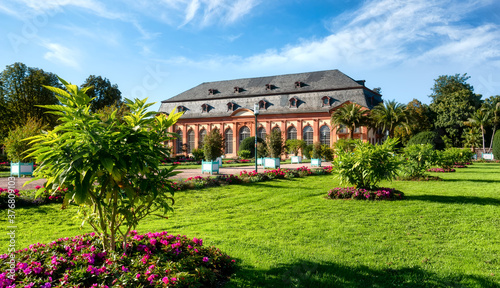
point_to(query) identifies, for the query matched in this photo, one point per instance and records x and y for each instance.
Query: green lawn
(286, 234)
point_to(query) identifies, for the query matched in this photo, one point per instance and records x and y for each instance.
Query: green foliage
(294, 145)
(104, 93)
(110, 168)
(479, 119)
(16, 146)
(327, 152)
(427, 137)
(419, 158)
(368, 164)
(262, 150)
(316, 151)
(245, 154)
(496, 145)
(449, 157)
(198, 154)
(472, 137)
(453, 102)
(351, 115)
(213, 145)
(275, 144)
(249, 145)
(389, 115)
(21, 93)
(344, 145)
(307, 152)
(420, 116)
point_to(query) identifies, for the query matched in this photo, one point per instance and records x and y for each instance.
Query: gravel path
(185, 173)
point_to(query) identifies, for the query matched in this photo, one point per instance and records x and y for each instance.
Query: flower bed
(27, 197)
(364, 194)
(459, 166)
(151, 260)
(442, 170)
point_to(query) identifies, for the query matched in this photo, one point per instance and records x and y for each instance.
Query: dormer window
(181, 108)
(325, 101)
(237, 89)
(299, 84)
(269, 86)
(212, 91)
(230, 106)
(263, 104)
(205, 107)
(293, 102)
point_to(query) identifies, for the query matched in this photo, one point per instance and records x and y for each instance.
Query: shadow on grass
(309, 274)
(455, 199)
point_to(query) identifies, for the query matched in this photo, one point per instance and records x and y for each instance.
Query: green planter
(272, 163)
(296, 159)
(210, 167)
(315, 162)
(18, 169)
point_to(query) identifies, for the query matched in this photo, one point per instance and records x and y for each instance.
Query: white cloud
(60, 54)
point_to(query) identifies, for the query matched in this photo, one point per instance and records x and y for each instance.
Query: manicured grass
(286, 234)
(4, 174)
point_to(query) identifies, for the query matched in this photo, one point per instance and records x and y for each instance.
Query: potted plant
(16, 146)
(262, 152)
(276, 147)
(316, 155)
(293, 146)
(213, 145)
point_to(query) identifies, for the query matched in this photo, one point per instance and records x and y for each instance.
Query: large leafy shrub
(368, 164)
(327, 152)
(317, 151)
(307, 151)
(109, 166)
(344, 145)
(244, 154)
(249, 145)
(427, 137)
(15, 143)
(449, 157)
(419, 158)
(496, 145)
(198, 154)
(213, 145)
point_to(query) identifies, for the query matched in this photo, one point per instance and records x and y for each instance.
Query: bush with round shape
(275, 144)
(419, 158)
(308, 151)
(249, 144)
(427, 137)
(316, 151)
(198, 154)
(245, 154)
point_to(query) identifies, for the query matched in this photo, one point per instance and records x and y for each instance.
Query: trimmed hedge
(427, 137)
(249, 144)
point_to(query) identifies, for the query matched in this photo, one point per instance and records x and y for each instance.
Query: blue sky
(160, 48)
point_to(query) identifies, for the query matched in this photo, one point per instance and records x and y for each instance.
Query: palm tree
(389, 115)
(350, 115)
(480, 118)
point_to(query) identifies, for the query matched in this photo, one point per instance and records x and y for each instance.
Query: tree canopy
(453, 102)
(105, 93)
(351, 115)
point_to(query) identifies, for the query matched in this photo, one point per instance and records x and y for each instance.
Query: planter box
(272, 163)
(18, 169)
(210, 167)
(315, 162)
(260, 161)
(296, 159)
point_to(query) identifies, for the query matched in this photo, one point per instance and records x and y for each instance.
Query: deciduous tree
(105, 93)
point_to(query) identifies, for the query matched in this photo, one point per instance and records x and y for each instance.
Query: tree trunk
(482, 132)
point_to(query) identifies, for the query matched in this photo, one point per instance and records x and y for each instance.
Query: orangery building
(298, 105)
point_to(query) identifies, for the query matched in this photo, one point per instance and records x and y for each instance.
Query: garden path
(185, 173)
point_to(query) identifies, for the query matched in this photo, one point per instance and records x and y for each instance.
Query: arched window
(324, 135)
(244, 133)
(228, 137)
(291, 133)
(178, 142)
(307, 135)
(190, 141)
(261, 133)
(203, 133)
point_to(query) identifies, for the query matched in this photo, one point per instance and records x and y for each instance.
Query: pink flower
(138, 276)
(205, 259)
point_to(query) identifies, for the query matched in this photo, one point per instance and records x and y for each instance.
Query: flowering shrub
(153, 260)
(441, 170)
(364, 194)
